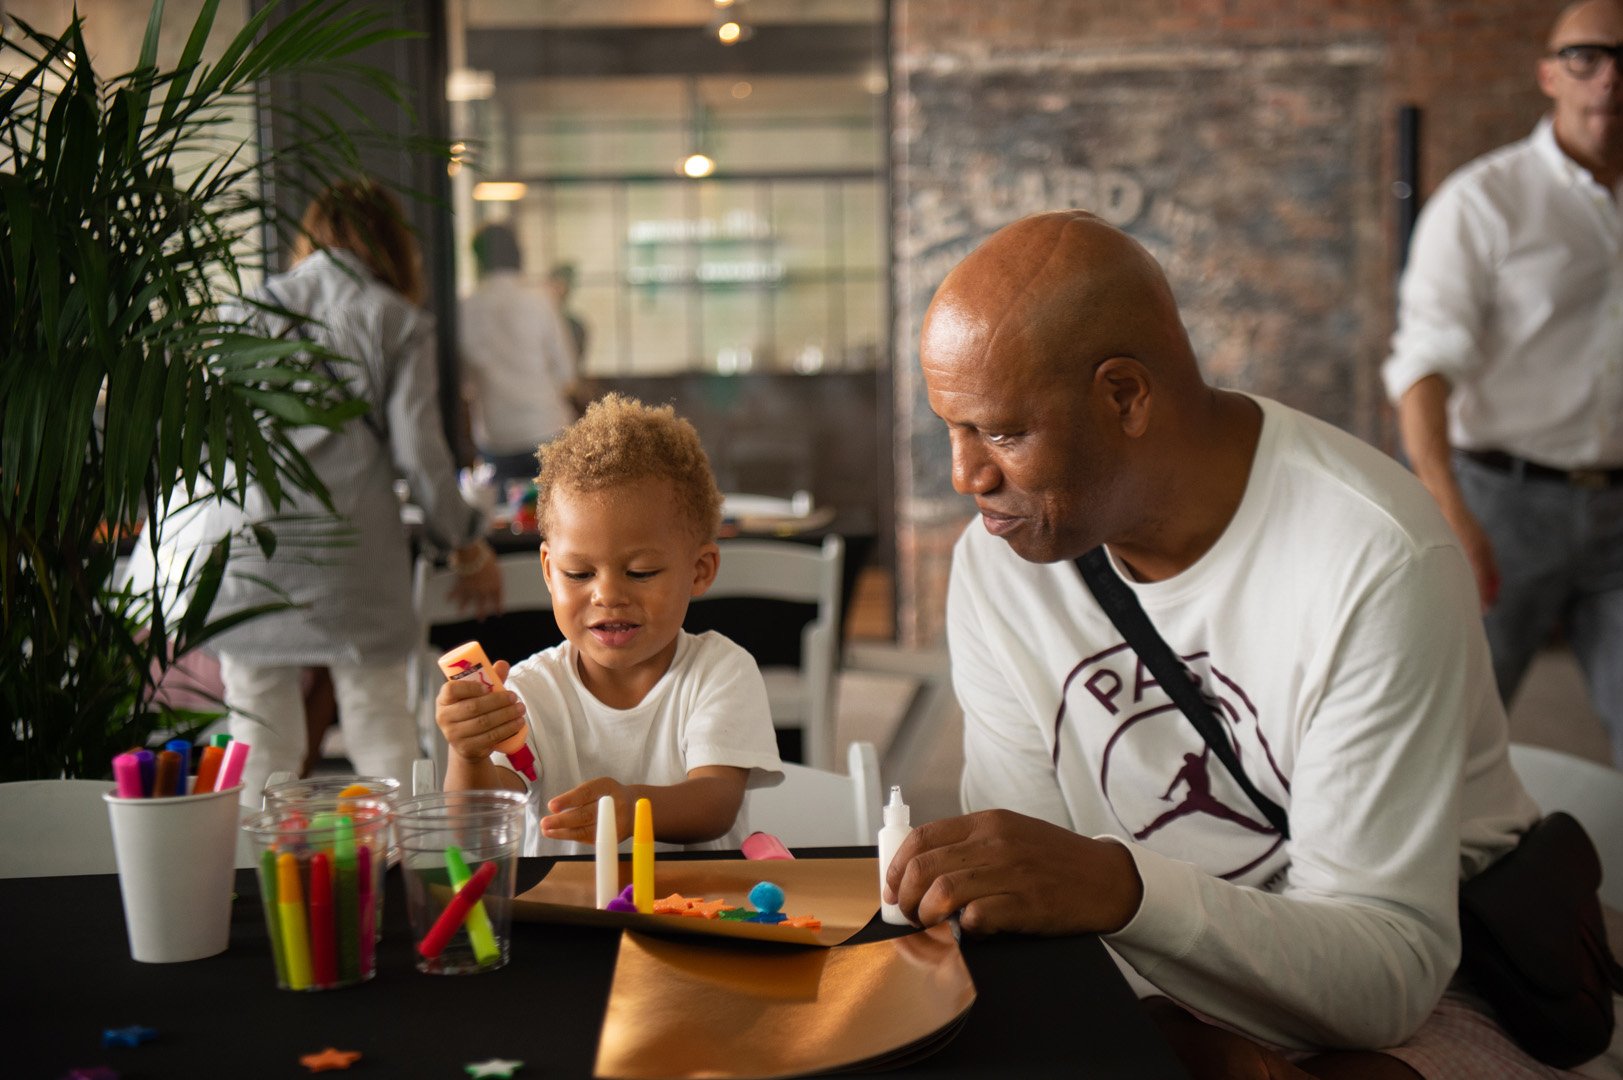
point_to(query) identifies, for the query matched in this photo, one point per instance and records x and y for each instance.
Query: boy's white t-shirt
(709, 708)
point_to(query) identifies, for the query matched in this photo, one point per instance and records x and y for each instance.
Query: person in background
(629, 704)
(518, 363)
(1507, 366)
(561, 284)
(1323, 606)
(354, 288)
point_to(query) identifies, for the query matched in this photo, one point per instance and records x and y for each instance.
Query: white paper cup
(176, 869)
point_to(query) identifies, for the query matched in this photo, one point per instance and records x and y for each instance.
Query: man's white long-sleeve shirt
(1514, 294)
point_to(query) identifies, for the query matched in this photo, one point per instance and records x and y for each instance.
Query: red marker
(323, 932)
(456, 911)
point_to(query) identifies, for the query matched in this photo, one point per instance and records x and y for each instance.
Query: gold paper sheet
(843, 893)
(732, 1009)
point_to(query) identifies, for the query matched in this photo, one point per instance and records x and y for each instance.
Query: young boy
(630, 704)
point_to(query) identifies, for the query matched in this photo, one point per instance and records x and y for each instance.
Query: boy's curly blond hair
(619, 441)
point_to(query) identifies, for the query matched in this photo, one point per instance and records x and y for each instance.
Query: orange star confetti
(708, 909)
(674, 904)
(804, 922)
(330, 1059)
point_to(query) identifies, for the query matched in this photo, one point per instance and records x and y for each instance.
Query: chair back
(1589, 791)
(801, 681)
(51, 828)
(817, 808)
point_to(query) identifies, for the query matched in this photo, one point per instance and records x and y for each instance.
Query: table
(1046, 1007)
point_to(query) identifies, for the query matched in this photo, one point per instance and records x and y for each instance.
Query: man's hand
(474, 719)
(1002, 871)
(1478, 550)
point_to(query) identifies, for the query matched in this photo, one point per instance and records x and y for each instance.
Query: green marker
(273, 919)
(478, 924)
(220, 739)
(349, 900)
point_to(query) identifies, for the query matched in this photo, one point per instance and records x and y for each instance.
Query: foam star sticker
(134, 1035)
(494, 1067)
(330, 1059)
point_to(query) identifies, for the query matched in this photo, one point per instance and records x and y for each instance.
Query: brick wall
(1249, 144)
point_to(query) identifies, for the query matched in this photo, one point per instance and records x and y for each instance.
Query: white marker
(608, 852)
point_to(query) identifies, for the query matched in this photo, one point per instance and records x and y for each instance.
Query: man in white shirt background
(1507, 366)
(518, 360)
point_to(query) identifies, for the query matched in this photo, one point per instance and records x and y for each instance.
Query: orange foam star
(804, 922)
(330, 1059)
(708, 909)
(674, 904)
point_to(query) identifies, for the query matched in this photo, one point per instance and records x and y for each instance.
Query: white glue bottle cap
(896, 811)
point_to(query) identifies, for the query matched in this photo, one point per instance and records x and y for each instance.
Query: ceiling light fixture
(498, 191)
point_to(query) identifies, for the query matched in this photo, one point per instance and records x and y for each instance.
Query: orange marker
(208, 768)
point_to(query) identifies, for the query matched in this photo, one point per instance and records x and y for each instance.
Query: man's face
(1588, 111)
(1025, 444)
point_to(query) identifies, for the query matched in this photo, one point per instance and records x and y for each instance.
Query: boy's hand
(574, 813)
(474, 719)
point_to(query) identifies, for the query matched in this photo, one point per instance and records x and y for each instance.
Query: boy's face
(621, 565)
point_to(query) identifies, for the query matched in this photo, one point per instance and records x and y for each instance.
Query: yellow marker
(295, 934)
(642, 858)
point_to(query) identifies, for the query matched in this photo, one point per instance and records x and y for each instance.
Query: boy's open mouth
(614, 632)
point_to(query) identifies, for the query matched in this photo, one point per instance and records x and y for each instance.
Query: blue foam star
(134, 1035)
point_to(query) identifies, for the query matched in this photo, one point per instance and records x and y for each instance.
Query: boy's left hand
(573, 815)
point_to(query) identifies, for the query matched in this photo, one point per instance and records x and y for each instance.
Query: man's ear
(1546, 76)
(1122, 384)
(704, 569)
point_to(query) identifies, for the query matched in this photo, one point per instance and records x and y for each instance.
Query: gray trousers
(1560, 555)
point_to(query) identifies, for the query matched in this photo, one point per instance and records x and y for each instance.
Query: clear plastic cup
(459, 854)
(323, 792)
(321, 888)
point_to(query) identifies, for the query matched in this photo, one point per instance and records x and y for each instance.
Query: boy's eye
(577, 575)
(640, 575)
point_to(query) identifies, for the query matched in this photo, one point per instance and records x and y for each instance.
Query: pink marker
(127, 772)
(236, 756)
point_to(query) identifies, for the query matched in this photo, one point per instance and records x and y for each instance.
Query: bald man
(1507, 367)
(1316, 593)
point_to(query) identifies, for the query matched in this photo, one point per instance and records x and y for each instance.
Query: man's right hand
(1478, 550)
(1001, 871)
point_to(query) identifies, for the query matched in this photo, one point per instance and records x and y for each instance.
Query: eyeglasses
(1584, 59)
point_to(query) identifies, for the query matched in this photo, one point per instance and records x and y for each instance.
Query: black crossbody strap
(1128, 616)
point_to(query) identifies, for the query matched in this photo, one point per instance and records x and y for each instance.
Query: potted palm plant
(128, 207)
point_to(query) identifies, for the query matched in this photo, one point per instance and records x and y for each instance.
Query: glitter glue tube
(468, 661)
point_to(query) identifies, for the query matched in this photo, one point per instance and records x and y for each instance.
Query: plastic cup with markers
(459, 854)
(321, 889)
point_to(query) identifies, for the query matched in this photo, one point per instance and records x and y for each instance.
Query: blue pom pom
(766, 897)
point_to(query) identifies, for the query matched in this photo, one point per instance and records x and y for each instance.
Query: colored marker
(608, 852)
(368, 935)
(480, 933)
(439, 935)
(236, 756)
(345, 863)
(127, 773)
(323, 934)
(208, 769)
(290, 906)
(267, 900)
(184, 749)
(168, 772)
(222, 739)
(149, 768)
(642, 858)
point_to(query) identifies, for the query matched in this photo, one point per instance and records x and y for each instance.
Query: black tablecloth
(1046, 1007)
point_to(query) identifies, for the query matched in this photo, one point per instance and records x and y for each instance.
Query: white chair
(1590, 792)
(51, 828)
(815, 808)
(60, 828)
(802, 696)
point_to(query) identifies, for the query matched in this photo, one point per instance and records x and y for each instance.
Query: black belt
(1499, 461)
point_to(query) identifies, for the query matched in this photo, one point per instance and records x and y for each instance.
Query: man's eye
(999, 438)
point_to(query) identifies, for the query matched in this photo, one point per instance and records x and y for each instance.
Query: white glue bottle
(891, 836)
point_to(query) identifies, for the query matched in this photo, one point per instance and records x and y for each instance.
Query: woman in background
(354, 288)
